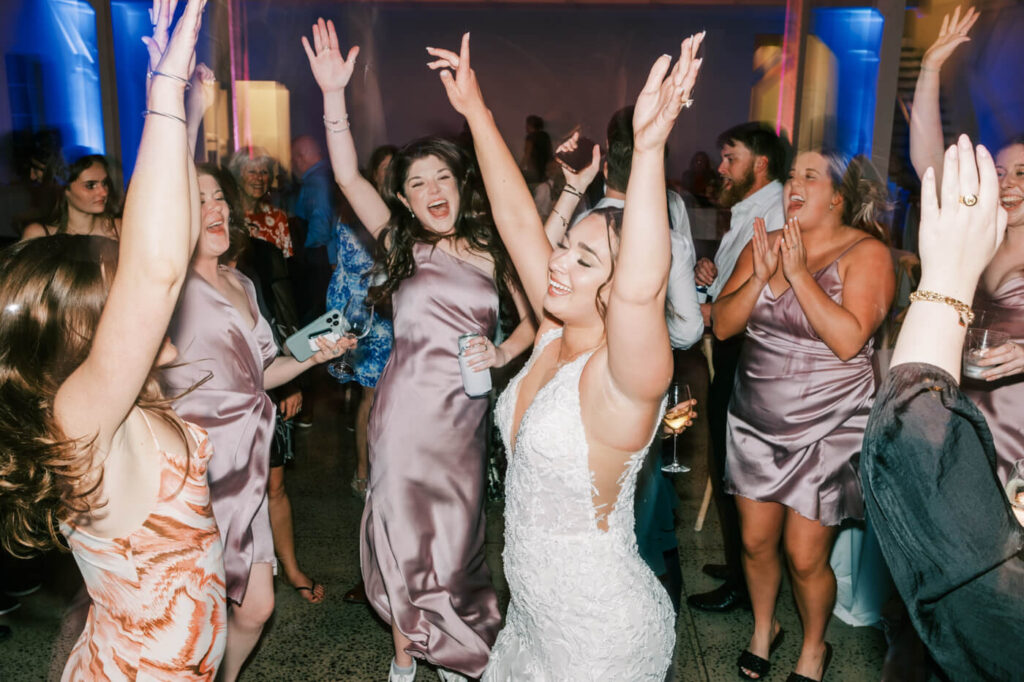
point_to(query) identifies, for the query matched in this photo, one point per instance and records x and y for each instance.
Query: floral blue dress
(352, 278)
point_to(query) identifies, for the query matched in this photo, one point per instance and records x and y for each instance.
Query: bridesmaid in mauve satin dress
(809, 298)
(422, 536)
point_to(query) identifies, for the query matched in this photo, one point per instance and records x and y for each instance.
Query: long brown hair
(52, 292)
(111, 209)
(866, 204)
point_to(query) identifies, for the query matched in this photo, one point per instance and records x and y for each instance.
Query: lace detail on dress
(584, 604)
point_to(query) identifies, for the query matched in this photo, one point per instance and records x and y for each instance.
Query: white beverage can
(475, 383)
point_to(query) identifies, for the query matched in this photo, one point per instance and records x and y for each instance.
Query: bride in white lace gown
(579, 417)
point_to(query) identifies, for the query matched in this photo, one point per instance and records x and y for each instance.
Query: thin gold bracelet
(966, 314)
(565, 223)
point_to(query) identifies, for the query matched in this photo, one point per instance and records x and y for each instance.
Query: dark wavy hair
(761, 140)
(52, 292)
(613, 225)
(866, 204)
(238, 233)
(473, 223)
(68, 174)
(377, 157)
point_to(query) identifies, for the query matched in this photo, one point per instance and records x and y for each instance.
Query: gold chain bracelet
(966, 314)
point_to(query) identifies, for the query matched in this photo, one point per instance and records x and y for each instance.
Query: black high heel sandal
(793, 677)
(754, 663)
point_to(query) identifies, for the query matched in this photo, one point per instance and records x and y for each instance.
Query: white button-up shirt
(764, 203)
(685, 323)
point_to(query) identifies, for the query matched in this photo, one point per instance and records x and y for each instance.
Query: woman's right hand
(174, 56)
(766, 255)
(462, 88)
(579, 181)
(952, 34)
(331, 71)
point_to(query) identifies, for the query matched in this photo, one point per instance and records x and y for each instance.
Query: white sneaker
(450, 676)
(394, 676)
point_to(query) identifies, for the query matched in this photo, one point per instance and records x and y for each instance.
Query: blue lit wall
(130, 22)
(53, 72)
(854, 35)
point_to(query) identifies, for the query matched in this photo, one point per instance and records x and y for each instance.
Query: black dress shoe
(719, 600)
(716, 571)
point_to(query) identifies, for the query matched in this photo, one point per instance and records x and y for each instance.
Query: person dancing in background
(810, 297)
(228, 348)
(944, 523)
(422, 536)
(577, 420)
(999, 299)
(88, 444)
(89, 203)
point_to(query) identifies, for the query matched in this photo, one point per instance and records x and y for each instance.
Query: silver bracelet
(151, 74)
(341, 124)
(147, 112)
(565, 223)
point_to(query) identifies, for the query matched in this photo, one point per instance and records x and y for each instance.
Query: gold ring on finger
(968, 199)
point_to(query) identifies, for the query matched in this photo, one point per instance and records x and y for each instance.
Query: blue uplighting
(854, 35)
(130, 20)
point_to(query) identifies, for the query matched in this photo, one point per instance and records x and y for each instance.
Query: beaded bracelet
(966, 314)
(341, 123)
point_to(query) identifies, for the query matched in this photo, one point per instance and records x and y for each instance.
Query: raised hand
(664, 96)
(331, 71)
(958, 240)
(952, 34)
(462, 87)
(794, 256)
(766, 255)
(176, 56)
(160, 16)
(581, 180)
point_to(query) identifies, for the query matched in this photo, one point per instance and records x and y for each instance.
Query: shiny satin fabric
(798, 412)
(214, 341)
(422, 539)
(1002, 401)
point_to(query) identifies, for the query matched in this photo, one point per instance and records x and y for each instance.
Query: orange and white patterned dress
(159, 610)
(271, 225)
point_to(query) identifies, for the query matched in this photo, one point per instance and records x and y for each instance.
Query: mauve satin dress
(1002, 401)
(798, 412)
(422, 539)
(214, 341)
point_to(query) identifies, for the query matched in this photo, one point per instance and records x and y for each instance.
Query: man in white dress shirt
(754, 166)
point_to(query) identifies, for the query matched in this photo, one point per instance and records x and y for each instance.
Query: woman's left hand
(330, 351)
(462, 87)
(664, 96)
(1002, 361)
(290, 406)
(481, 354)
(793, 256)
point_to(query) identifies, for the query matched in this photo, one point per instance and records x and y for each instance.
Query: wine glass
(675, 391)
(358, 314)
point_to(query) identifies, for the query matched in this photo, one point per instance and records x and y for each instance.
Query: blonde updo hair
(866, 204)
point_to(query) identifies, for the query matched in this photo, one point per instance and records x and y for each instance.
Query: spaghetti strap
(850, 247)
(152, 433)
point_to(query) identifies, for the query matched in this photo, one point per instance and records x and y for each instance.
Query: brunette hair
(761, 140)
(866, 203)
(473, 222)
(377, 157)
(67, 175)
(613, 226)
(52, 293)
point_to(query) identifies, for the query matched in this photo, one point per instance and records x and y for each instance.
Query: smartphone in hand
(580, 158)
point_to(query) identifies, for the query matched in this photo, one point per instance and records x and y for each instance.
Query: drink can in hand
(475, 383)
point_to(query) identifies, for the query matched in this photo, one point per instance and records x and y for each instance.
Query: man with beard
(754, 163)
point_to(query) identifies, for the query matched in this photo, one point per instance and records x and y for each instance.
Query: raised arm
(758, 261)
(158, 234)
(512, 207)
(925, 118)
(956, 244)
(332, 73)
(639, 354)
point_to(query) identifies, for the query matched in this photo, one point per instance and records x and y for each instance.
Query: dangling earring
(831, 206)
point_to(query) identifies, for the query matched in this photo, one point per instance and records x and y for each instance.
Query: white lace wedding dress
(584, 604)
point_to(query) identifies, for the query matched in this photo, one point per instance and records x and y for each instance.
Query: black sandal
(755, 664)
(793, 677)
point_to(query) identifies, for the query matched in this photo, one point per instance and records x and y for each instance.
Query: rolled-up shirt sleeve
(685, 322)
(944, 523)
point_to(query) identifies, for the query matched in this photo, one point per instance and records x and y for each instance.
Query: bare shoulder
(869, 251)
(34, 231)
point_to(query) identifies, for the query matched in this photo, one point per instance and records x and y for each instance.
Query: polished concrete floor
(339, 641)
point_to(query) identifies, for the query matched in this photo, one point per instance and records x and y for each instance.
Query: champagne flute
(358, 314)
(674, 422)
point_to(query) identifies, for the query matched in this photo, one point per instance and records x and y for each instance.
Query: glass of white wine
(358, 314)
(674, 419)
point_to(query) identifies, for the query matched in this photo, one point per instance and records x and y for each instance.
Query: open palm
(952, 34)
(331, 71)
(663, 97)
